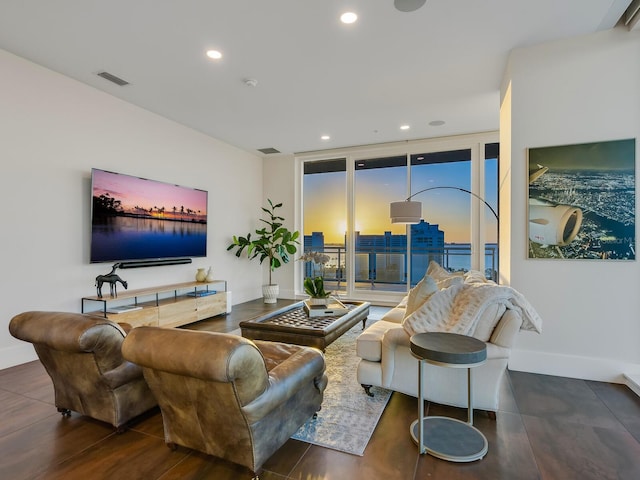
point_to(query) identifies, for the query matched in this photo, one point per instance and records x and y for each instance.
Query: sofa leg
(172, 446)
(492, 415)
(367, 390)
(65, 412)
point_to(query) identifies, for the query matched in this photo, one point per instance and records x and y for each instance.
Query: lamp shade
(405, 212)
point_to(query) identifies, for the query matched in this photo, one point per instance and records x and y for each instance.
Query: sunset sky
(134, 191)
(325, 200)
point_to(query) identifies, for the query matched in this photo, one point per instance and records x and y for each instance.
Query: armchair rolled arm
(122, 374)
(126, 327)
(298, 371)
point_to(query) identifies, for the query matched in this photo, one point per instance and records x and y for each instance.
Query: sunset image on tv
(136, 218)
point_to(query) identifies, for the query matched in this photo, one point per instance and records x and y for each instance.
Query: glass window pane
(325, 220)
(380, 246)
(491, 223)
(445, 210)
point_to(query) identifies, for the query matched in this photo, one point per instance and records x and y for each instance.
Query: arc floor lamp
(408, 211)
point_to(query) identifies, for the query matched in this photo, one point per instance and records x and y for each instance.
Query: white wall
(575, 91)
(279, 184)
(53, 130)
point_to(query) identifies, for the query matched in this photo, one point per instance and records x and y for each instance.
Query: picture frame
(582, 201)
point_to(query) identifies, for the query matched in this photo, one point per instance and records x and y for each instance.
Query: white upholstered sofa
(386, 360)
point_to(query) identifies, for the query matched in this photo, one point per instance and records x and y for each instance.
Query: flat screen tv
(135, 218)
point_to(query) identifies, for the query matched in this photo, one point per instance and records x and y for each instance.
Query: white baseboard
(17, 355)
(632, 380)
(572, 366)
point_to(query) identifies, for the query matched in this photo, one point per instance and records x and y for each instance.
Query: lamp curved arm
(462, 190)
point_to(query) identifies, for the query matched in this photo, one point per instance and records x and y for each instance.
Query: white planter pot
(270, 293)
(318, 301)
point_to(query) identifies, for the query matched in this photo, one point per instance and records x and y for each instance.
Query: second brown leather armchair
(82, 355)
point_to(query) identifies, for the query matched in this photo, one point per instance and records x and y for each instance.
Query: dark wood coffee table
(291, 324)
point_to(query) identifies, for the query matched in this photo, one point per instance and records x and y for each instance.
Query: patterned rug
(348, 416)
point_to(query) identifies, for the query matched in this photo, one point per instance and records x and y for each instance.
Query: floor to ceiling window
(346, 199)
(380, 247)
(446, 210)
(325, 221)
(490, 195)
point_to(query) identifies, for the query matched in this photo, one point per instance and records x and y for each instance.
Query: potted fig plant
(274, 242)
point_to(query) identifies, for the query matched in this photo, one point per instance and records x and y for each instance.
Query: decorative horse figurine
(112, 279)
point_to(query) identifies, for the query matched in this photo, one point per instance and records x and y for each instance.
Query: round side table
(443, 437)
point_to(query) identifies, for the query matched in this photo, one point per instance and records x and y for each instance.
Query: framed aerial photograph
(582, 201)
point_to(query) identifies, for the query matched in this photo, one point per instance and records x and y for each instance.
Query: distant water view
(459, 257)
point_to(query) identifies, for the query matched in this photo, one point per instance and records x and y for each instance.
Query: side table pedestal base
(450, 439)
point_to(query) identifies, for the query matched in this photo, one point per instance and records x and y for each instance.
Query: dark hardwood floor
(547, 427)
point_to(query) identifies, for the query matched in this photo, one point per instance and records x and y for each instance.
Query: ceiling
(315, 76)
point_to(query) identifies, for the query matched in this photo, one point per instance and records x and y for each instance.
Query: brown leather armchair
(82, 355)
(225, 395)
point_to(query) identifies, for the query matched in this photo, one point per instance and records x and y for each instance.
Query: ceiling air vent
(269, 150)
(112, 78)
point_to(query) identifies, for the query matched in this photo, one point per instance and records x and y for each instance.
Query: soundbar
(152, 263)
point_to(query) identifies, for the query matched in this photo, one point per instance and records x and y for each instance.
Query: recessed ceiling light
(348, 17)
(214, 54)
(404, 127)
(436, 123)
(325, 137)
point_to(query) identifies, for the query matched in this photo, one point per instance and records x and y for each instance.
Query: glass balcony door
(444, 234)
(346, 214)
(380, 247)
(324, 210)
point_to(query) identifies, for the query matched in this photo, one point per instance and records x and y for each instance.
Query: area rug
(348, 416)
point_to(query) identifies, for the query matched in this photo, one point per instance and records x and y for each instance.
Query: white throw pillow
(433, 315)
(420, 294)
(435, 271)
(488, 321)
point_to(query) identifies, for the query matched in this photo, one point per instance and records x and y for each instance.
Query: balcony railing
(388, 268)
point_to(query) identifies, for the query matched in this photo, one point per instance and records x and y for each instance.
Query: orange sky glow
(138, 194)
